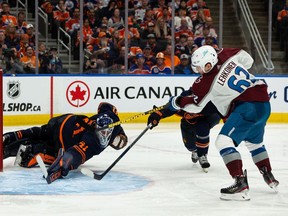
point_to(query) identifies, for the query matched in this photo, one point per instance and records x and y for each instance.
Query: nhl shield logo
(13, 90)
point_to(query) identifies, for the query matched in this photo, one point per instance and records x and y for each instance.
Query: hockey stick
(130, 119)
(94, 175)
(42, 166)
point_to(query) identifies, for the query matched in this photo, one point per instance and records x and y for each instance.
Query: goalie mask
(104, 135)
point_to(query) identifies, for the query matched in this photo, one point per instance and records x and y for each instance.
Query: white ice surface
(176, 186)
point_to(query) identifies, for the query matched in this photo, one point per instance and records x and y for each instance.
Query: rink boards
(34, 99)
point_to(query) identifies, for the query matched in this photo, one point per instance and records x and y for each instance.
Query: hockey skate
(269, 179)
(238, 191)
(204, 163)
(194, 156)
(18, 158)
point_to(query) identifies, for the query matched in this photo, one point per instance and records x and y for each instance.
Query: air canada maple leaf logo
(78, 93)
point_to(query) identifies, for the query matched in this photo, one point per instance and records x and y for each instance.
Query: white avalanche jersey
(226, 82)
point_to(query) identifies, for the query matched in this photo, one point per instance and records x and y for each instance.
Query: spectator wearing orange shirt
(283, 13)
(60, 13)
(7, 18)
(60, 16)
(29, 60)
(94, 38)
(167, 56)
(87, 31)
(73, 25)
(48, 8)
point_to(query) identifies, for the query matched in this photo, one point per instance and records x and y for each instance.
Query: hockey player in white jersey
(225, 86)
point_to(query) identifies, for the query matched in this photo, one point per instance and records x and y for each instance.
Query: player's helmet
(203, 55)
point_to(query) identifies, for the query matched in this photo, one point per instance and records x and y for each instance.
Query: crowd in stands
(280, 23)
(149, 36)
(17, 46)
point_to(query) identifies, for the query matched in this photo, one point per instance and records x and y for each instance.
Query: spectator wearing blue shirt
(184, 67)
(160, 67)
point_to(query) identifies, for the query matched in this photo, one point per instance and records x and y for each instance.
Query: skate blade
(205, 170)
(243, 196)
(274, 187)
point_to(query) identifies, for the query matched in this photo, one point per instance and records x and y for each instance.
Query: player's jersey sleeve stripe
(83, 155)
(61, 131)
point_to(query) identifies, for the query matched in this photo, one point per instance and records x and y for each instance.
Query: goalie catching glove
(119, 142)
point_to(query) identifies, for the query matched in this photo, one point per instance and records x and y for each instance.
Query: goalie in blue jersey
(78, 135)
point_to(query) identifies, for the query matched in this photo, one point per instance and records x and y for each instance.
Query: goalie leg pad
(26, 156)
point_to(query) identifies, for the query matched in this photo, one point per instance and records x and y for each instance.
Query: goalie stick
(42, 166)
(94, 175)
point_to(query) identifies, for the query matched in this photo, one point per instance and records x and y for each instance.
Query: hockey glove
(154, 119)
(119, 142)
(173, 103)
(60, 166)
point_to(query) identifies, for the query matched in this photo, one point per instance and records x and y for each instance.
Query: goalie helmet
(104, 135)
(104, 107)
(202, 56)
